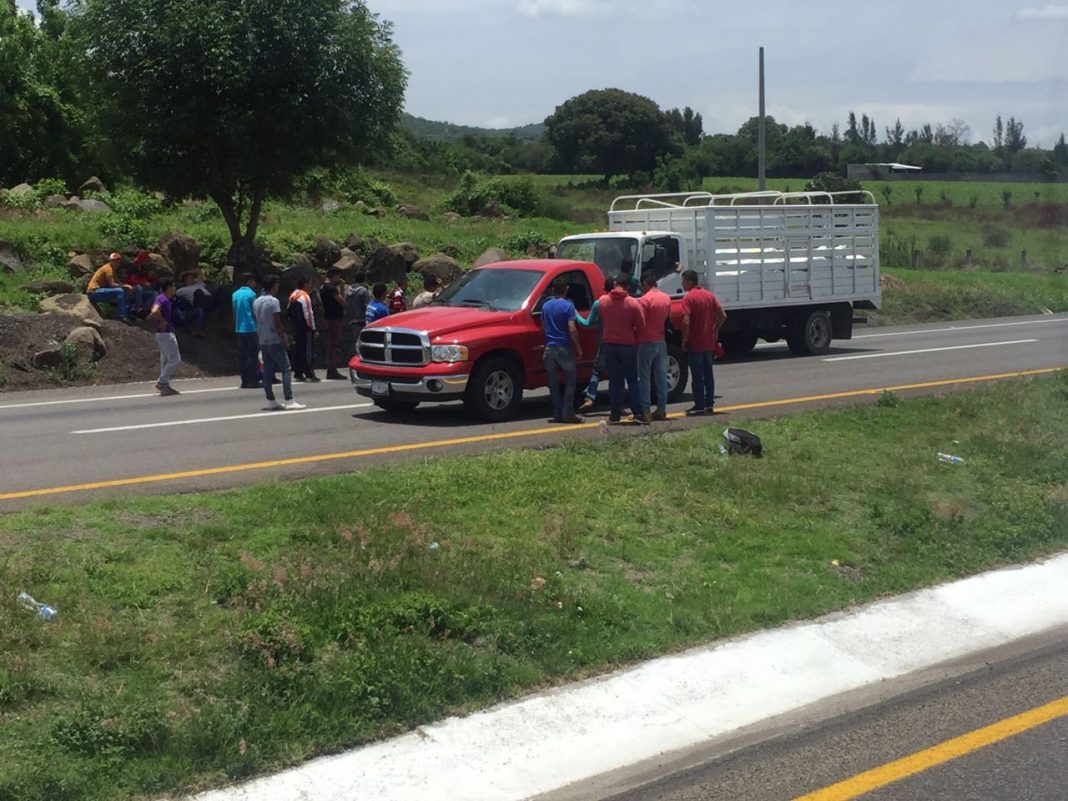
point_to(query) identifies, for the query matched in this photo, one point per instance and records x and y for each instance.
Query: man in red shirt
(702, 318)
(652, 349)
(623, 322)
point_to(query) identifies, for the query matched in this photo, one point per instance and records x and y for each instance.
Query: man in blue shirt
(248, 344)
(562, 349)
(377, 308)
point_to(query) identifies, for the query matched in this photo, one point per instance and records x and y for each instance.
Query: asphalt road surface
(69, 444)
(998, 733)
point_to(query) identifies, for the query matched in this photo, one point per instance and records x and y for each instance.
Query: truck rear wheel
(494, 391)
(678, 371)
(810, 333)
(738, 343)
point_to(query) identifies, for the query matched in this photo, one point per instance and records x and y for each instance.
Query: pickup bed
(482, 342)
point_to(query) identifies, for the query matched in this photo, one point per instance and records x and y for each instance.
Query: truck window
(578, 292)
(496, 289)
(659, 256)
(613, 255)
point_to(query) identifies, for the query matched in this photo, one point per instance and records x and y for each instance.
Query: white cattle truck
(785, 265)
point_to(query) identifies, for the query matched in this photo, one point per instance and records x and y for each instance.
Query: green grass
(207, 638)
(929, 295)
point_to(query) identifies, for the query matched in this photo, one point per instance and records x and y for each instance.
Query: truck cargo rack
(676, 200)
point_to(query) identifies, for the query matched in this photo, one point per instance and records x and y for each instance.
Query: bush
(994, 236)
(50, 186)
(832, 182)
(939, 247)
(475, 193)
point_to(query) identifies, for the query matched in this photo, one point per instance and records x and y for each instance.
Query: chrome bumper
(425, 387)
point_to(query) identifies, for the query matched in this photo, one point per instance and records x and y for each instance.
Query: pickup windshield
(613, 255)
(496, 290)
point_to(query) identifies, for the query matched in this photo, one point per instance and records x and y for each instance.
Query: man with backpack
(302, 318)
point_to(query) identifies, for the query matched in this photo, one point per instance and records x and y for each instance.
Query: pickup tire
(495, 390)
(396, 406)
(810, 333)
(678, 370)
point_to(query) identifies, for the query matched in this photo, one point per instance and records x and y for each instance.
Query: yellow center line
(892, 772)
(482, 438)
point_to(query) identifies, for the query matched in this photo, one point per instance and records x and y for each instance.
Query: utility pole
(762, 178)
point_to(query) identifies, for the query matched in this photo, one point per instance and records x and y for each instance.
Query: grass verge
(208, 638)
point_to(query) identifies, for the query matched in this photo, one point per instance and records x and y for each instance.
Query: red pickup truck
(481, 341)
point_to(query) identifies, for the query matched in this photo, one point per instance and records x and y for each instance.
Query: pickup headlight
(448, 353)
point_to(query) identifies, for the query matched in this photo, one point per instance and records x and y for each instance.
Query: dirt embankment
(131, 355)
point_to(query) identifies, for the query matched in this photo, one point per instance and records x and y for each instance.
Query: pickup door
(580, 293)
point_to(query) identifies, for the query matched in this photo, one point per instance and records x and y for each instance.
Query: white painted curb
(553, 739)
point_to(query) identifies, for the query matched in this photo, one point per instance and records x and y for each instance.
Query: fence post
(1023, 259)
(915, 258)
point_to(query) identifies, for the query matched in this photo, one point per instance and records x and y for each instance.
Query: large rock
(49, 287)
(409, 251)
(441, 266)
(21, 189)
(10, 260)
(88, 344)
(451, 217)
(55, 201)
(491, 256)
(48, 359)
(329, 206)
(81, 265)
(412, 212)
(325, 252)
(159, 266)
(350, 265)
(387, 265)
(93, 206)
(73, 305)
(94, 184)
(180, 250)
(354, 241)
(73, 203)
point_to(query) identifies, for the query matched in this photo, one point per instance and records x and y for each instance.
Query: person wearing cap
(103, 288)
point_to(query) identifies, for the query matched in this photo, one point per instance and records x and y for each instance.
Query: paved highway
(998, 733)
(70, 443)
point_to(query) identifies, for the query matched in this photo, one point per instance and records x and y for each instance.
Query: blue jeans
(248, 345)
(561, 359)
(111, 294)
(169, 357)
(652, 367)
(622, 364)
(184, 314)
(274, 359)
(704, 384)
(595, 377)
(143, 297)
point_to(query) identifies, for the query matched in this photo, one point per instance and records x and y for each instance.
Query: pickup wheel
(396, 406)
(678, 373)
(494, 391)
(810, 333)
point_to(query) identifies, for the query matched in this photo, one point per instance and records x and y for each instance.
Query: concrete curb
(575, 733)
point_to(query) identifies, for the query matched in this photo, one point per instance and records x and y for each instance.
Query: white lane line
(112, 398)
(952, 328)
(253, 416)
(928, 350)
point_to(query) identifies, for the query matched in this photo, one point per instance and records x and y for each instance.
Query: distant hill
(448, 132)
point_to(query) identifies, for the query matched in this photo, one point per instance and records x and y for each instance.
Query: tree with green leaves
(235, 100)
(609, 132)
(687, 124)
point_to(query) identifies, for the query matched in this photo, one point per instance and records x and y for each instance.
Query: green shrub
(994, 236)
(474, 194)
(939, 246)
(50, 186)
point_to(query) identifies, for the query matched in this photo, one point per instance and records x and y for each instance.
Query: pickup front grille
(401, 347)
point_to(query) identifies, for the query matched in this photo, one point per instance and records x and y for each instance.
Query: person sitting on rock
(142, 281)
(103, 288)
(191, 303)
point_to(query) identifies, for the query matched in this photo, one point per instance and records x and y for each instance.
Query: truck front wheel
(678, 371)
(395, 406)
(810, 333)
(494, 391)
(738, 343)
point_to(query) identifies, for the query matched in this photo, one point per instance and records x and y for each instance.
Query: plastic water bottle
(948, 458)
(45, 611)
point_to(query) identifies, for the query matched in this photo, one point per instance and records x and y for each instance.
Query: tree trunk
(242, 253)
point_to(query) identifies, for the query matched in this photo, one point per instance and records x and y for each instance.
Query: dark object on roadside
(740, 441)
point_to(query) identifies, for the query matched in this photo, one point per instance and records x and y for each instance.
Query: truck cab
(631, 253)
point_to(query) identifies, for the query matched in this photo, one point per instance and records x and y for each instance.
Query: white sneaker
(292, 406)
(273, 406)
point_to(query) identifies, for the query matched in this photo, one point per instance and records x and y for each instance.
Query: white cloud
(1046, 12)
(563, 8)
(1007, 58)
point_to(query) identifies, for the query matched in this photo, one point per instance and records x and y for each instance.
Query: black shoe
(256, 385)
(696, 411)
(299, 378)
(334, 375)
(312, 379)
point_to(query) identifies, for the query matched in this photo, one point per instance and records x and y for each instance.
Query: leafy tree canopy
(236, 98)
(609, 131)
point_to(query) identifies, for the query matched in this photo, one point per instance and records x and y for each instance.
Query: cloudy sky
(500, 63)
